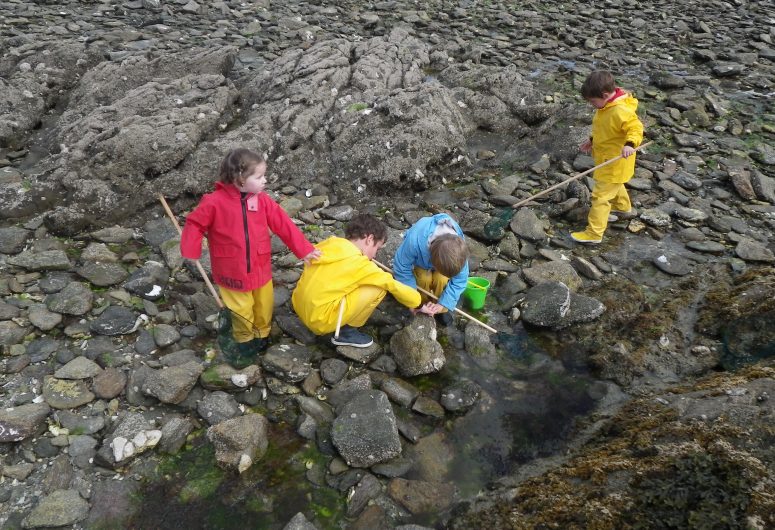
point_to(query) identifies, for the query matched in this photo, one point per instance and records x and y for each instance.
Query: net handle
(196, 261)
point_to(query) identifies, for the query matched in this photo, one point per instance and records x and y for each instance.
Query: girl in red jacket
(236, 219)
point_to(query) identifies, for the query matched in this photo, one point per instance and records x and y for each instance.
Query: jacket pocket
(263, 246)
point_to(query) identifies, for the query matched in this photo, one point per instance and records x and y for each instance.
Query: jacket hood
(626, 99)
(231, 189)
(336, 249)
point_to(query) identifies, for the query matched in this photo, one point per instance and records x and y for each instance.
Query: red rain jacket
(237, 230)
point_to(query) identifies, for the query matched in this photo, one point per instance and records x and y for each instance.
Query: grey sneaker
(349, 336)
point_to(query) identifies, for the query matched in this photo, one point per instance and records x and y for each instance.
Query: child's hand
(315, 254)
(586, 147)
(627, 151)
(429, 308)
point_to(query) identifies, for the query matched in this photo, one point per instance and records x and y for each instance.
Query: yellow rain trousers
(432, 281)
(612, 127)
(255, 308)
(343, 272)
(606, 196)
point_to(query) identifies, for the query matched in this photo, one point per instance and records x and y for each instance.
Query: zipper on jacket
(243, 202)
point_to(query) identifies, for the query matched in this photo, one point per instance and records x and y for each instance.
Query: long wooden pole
(431, 295)
(198, 265)
(574, 177)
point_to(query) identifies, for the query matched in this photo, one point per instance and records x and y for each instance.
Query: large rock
(132, 436)
(420, 497)
(75, 299)
(546, 304)
(217, 407)
(172, 385)
(66, 394)
(113, 503)
(553, 305)
(78, 368)
(115, 320)
(21, 422)
(60, 508)
(12, 333)
(553, 271)
(415, 349)
(47, 260)
(365, 431)
(13, 239)
(376, 89)
(239, 442)
(143, 116)
(290, 362)
(751, 250)
(527, 225)
(148, 281)
(224, 377)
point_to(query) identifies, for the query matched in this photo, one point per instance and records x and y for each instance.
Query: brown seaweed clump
(697, 457)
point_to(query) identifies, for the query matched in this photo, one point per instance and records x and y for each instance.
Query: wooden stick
(196, 261)
(339, 319)
(574, 177)
(433, 296)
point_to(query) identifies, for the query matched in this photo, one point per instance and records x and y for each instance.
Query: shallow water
(527, 409)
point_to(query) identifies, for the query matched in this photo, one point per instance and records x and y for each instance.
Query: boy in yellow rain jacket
(346, 271)
(616, 130)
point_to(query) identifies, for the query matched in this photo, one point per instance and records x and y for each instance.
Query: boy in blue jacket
(434, 257)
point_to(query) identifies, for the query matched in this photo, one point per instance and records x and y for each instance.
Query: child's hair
(238, 164)
(598, 82)
(449, 253)
(364, 225)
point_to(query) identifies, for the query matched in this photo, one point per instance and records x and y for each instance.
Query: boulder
(415, 349)
(239, 442)
(365, 430)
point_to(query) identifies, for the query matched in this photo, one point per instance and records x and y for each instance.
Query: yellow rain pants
(255, 308)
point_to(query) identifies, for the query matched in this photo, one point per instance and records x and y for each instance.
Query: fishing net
(495, 227)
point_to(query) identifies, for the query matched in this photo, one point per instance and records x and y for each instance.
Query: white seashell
(139, 439)
(117, 445)
(129, 450)
(244, 463)
(153, 436)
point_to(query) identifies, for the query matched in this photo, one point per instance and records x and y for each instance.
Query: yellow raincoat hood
(612, 126)
(341, 269)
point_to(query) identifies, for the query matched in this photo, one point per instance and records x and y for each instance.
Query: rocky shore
(629, 384)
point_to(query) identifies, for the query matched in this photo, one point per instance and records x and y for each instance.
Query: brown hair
(598, 82)
(238, 164)
(448, 254)
(364, 225)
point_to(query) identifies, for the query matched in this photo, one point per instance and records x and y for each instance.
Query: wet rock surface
(402, 110)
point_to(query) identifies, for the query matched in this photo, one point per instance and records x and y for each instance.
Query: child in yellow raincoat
(346, 271)
(616, 130)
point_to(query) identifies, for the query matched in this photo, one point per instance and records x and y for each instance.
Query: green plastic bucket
(476, 291)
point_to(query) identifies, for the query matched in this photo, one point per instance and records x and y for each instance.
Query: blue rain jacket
(415, 252)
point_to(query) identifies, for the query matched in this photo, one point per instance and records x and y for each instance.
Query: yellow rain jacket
(613, 126)
(341, 269)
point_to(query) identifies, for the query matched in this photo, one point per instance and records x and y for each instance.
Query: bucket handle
(469, 284)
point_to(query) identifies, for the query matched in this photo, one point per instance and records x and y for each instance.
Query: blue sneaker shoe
(349, 336)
